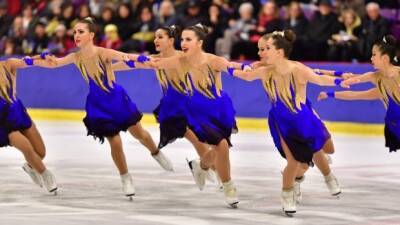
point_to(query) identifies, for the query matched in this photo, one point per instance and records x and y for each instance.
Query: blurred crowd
(327, 30)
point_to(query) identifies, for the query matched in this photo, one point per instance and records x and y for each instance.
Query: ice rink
(90, 188)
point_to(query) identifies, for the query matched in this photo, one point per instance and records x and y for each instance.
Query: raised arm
(371, 94)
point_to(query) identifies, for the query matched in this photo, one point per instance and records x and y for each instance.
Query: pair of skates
(45, 179)
(200, 176)
(290, 198)
(127, 181)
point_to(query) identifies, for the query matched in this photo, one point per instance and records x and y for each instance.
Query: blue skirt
(303, 132)
(13, 117)
(212, 120)
(171, 114)
(108, 113)
(392, 126)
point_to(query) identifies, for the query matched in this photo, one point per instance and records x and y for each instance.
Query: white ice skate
(288, 200)
(164, 162)
(199, 175)
(333, 185)
(127, 186)
(230, 194)
(49, 181)
(297, 189)
(35, 176)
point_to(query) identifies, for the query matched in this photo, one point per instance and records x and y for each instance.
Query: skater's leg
(20, 142)
(36, 140)
(118, 154)
(144, 137)
(201, 148)
(290, 171)
(222, 162)
(321, 162)
(329, 148)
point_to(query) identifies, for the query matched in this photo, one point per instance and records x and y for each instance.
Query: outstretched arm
(164, 63)
(308, 75)
(371, 94)
(126, 65)
(51, 61)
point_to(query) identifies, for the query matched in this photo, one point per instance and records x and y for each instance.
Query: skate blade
(289, 213)
(130, 197)
(234, 205)
(337, 195)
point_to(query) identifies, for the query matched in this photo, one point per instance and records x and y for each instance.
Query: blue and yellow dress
(13, 114)
(171, 113)
(210, 111)
(293, 119)
(389, 88)
(109, 109)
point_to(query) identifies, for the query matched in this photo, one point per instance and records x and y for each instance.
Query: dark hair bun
(175, 31)
(289, 35)
(390, 40)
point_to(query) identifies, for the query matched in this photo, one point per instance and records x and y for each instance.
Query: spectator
(298, 23)
(95, 7)
(40, 41)
(61, 44)
(125, 19)
(269, 20)
(111, 38)
(17, 32)
(343, 45)
(321, 28)
(28, 20)
(374, 28)
(145, 27)
(357, 5)
(238, 30)
(107, 17)
(216, 24)
(11, 48)
(193, 15)
(5, 20)
(166, 14)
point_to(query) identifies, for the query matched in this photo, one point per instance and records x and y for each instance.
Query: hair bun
(289, 35)
(390, 40)
(202, 28)
(89, 19)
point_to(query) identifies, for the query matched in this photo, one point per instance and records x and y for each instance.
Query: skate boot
(127, 186)
(230, 194)
(35, 176)
(288, 200)
(333, 185)
(49, 181)
(199, 175)
(297, 190)
(164, 162)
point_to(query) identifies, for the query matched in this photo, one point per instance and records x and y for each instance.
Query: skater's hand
(322, 96)
(347, 75)
(348, 82)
